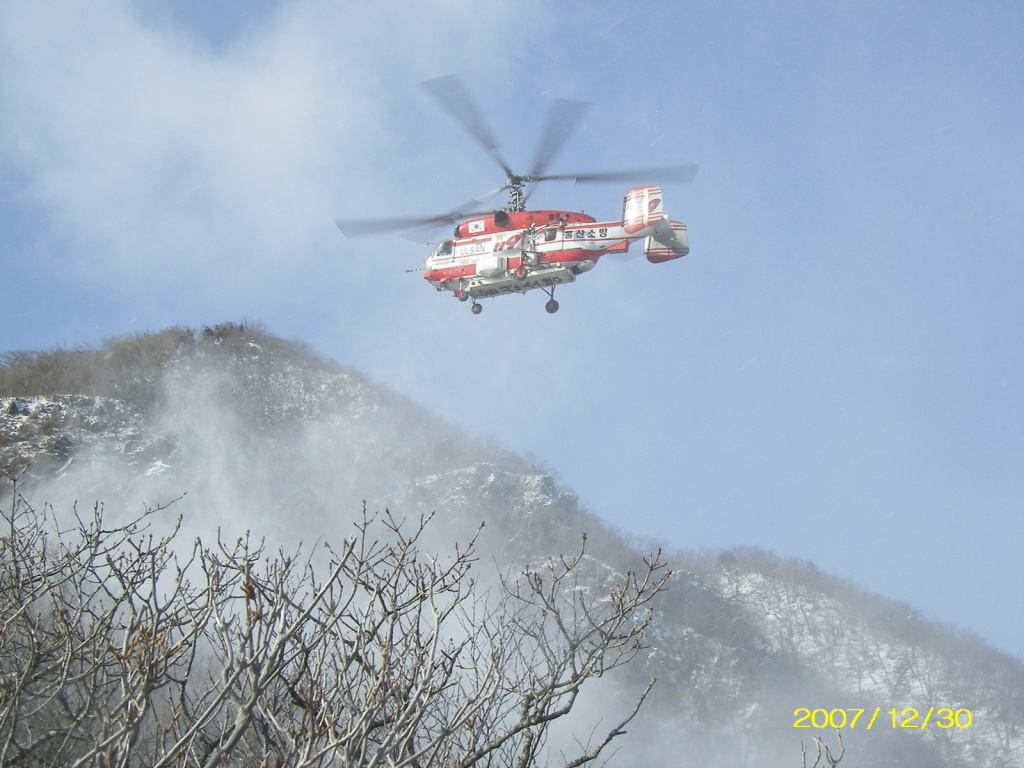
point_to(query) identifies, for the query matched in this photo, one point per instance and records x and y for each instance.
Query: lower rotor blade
(362, 227)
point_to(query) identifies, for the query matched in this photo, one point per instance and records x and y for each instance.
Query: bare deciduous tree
(116, 649)
(823, 752)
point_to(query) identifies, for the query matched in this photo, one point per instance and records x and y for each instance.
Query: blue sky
(834, 372)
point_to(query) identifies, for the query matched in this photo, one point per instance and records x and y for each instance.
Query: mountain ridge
(267, 435)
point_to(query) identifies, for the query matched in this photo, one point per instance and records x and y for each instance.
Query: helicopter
(514, 250)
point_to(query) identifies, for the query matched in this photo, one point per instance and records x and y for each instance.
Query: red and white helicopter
(514, 250)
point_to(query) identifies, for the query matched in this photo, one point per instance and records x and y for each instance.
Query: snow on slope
(262, 435)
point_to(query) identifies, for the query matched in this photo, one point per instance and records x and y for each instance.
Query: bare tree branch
(116, 650)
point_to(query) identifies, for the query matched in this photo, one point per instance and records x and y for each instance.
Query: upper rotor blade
(451, 94)
(660, 175)
(562, 118)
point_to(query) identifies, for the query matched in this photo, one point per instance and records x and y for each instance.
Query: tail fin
(669, 241)
(641, 208)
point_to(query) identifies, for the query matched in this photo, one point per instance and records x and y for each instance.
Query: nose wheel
(476, 309)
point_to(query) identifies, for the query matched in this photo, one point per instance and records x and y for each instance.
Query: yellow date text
(934, 717)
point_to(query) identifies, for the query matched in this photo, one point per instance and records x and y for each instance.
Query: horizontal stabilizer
(669, 241)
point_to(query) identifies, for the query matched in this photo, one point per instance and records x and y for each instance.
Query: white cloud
(166, 155)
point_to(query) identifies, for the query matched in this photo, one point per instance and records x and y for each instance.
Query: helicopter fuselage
(517, 251)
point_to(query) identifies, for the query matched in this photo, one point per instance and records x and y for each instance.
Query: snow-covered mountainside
(249, 432)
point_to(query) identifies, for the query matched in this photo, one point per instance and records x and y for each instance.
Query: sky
(834, 373)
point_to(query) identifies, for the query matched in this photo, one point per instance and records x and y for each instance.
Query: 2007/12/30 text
(937, 717)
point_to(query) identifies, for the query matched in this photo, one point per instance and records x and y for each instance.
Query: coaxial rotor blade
(451, 94)
(529, 191)
(562, 118)
(362, 227)
(659, 175)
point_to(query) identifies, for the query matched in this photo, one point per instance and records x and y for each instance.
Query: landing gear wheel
(461, 295)
(520, 273)
(552, 305)
(477, 308)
